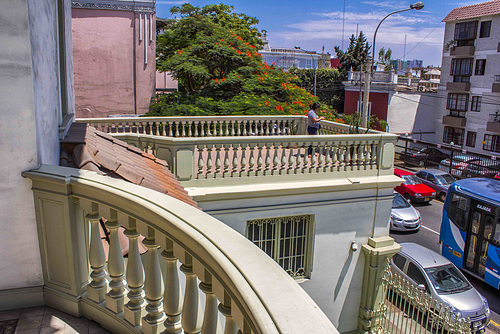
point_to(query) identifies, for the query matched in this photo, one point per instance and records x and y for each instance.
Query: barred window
(480, 66)
(491, 143)
(455, 135)
(471, 139)
(476, 103)
(288, 240)
(465, 30)
(457, 102)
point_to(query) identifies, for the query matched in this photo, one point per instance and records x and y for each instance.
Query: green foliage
(328, 84)
(212, 52)
(356, 56)
(384, 57)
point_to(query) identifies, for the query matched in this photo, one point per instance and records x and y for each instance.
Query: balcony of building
(458, 86)
(462, 50)
(495, 88)
(455, 119)
(493, 124)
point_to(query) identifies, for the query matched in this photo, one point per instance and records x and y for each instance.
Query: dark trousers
(311, 131)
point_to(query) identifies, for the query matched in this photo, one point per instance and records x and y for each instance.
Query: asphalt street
(428, 236)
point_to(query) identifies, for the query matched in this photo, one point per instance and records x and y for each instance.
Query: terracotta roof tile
(474, 11)
(90, 149)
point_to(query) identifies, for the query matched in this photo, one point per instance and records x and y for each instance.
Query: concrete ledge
(21, 298)
(201, 194)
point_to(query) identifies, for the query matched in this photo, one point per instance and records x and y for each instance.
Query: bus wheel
(442, 197)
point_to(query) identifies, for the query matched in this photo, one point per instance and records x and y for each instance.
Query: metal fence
(406, 309)
(416, 154)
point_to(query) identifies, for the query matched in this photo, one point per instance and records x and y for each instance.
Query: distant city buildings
(293, 57)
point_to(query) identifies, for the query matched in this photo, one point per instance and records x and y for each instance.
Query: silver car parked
(436, 275)
(404, 217)
(437, 180)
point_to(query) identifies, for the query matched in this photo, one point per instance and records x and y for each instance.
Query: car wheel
(442, 197)
(407, 196)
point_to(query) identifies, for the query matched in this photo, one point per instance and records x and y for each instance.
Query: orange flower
(238, 51)
(179, 52)
(249, 54)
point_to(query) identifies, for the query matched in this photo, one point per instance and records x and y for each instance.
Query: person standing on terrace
(313, 123)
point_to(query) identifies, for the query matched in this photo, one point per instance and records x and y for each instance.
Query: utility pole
(366, 96)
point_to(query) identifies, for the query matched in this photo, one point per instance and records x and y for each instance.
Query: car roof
(424, 256)
(398, 171)
(434, 171)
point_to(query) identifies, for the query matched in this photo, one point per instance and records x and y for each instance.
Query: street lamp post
(315, 68)
(364, 119)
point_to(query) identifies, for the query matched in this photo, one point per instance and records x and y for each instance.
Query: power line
(424, 38)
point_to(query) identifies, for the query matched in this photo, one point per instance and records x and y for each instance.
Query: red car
(412, 188)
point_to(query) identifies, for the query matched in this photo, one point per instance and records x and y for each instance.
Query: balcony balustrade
(458, 86)
(493, 124)
(252, 292)
(206, 153)
(495, 88)
(462, 50)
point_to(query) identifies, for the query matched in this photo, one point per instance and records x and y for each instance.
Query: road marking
(494, 324)
(428, 229)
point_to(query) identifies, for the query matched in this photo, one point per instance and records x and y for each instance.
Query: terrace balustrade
(248, 150)
(248, 288)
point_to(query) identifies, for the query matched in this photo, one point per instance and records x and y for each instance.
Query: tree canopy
(213, 53)
(356, 55)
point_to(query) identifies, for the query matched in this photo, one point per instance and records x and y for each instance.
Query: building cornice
(133, 6)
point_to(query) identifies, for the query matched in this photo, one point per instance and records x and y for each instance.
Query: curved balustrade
(253, 293)
(239, 160)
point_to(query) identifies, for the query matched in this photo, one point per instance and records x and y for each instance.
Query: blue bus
(470, 228)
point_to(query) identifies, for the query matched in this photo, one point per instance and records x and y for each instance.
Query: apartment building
(469, 93)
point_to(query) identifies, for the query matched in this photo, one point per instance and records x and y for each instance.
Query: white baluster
(196, 124)
(190, 128)
(266, 169)
(176, 125)
(233, 124)
(230, 325)
(225, 172)
(251, 162)
(276, 160)
(243, 161)
(321, 157)
(116, 296)
(170, 129)
(96, 290)
(218, 162)
(234, 168)
(209, 133)
(152, 323)
(200, 162)
(164, 128)
(191, 311)
(305, 160)
(291, 161)
(183, 128)
(283, 159)
(202, 129)
(134, 309)
(209, 174)
(260, 168)
(173, 299)
(211, 323)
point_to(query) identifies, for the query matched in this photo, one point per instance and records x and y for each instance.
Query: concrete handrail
(263, 297)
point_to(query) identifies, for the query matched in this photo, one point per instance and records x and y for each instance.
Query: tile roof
(86, 148)
(473, 11)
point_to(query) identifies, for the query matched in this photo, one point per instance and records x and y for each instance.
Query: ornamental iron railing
(407, 309)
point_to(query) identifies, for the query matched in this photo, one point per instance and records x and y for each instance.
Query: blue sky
(312, 24)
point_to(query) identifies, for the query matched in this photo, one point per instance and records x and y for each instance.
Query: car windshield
(444, 179)
(399, 202)
(447, 279)
(411, 179)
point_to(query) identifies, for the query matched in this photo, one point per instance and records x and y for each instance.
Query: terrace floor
(44, 320)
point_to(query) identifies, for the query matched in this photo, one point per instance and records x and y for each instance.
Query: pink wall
(109, 71)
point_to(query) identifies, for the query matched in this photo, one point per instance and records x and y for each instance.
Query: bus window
(458, 210)
(496, 237)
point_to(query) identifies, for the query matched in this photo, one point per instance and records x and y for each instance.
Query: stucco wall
(341, 216)
(412, 112)
(28, 87)
(110, 74)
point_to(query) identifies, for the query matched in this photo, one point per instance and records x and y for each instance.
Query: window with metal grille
(457, 102)
(465, 30)
(288, 240)
(480, 66)
(471, 139)
(485, 29)
(455, 135)
(476, 103)
(491, 143)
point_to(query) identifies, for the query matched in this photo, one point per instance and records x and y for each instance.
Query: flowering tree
(213, 53)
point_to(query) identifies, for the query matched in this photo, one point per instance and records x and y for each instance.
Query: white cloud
(175, 2)
(394, 5)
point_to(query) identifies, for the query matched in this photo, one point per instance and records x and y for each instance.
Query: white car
(404, 217)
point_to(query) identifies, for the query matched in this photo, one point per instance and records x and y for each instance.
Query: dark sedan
(423, 156)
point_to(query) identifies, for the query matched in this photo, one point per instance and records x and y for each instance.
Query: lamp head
(297, 47)
(417, 5)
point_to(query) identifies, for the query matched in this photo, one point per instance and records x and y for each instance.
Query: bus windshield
(447, 279)
(411, 179)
